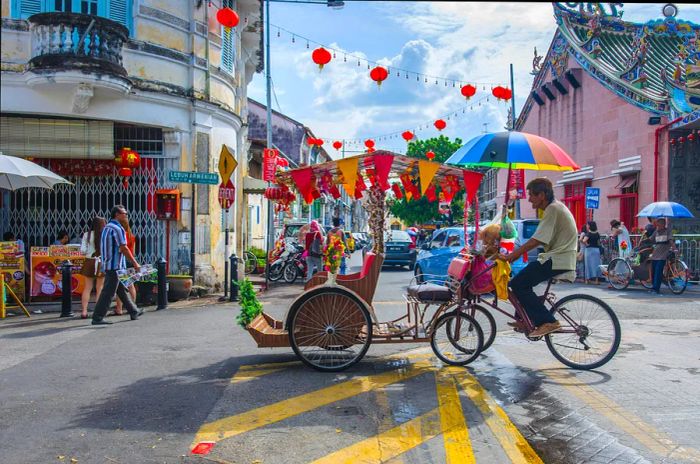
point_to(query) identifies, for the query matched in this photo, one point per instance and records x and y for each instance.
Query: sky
(455, 41)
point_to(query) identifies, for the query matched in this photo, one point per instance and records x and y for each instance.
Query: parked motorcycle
(277, 267)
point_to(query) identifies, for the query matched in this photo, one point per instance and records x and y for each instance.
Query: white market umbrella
(16, 173)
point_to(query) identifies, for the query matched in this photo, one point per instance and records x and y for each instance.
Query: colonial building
(622, 99)
(82, 79)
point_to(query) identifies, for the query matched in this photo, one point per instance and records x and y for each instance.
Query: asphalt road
(148, 391)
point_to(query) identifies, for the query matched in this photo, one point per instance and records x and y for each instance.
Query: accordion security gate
(37, 215)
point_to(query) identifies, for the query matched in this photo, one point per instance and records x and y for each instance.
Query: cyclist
(662, 238)
(557, 233)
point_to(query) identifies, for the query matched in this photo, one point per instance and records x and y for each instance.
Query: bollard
(162, 285)
(66, 287)
(233, 260)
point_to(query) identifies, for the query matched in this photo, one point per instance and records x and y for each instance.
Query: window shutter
(228, 41)
(28, 8)
(119, 11)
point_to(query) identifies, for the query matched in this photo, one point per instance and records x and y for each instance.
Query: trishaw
(331, 325)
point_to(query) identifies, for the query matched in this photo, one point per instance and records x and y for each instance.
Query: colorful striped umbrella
(516, 150)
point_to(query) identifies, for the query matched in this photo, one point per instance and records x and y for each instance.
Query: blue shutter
(120, 11)
(22, 9)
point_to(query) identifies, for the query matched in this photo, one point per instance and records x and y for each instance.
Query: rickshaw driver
(557, 233)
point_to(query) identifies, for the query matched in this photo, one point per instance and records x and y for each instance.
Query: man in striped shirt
(113, 248)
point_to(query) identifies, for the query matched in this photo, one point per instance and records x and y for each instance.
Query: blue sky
(471, 42)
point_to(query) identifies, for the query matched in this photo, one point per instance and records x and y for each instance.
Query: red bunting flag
(430, 193)
(382, 164)
(305, 182)
(397, 191)
(471, 183)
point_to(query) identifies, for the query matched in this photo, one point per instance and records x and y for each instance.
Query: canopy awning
(626, 182)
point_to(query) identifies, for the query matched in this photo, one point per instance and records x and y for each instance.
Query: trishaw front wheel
(457, 339)
(619, 273)
(330, 329)
(590, 332)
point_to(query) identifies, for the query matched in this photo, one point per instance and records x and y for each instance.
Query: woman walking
(591, 254)
(91, 269)
(314, 250)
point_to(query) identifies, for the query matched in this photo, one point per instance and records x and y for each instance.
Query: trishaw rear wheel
(590, 332)
(677, 276)
(329, 328)
(457, 339)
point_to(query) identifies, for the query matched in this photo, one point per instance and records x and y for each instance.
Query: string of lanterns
(440, 124)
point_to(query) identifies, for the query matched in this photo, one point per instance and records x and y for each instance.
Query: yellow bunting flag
(348, 167)
(426, 171)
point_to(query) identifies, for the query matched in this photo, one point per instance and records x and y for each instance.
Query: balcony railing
(63, 41)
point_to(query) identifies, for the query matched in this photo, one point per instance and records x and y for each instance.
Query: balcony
(71, 41)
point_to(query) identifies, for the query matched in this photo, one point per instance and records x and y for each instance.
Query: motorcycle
(277, 267)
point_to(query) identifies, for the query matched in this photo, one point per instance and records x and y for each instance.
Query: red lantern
(691, 137)
(321, 57)
(125, 172)
(407, 136)
(468, 91)
(672, 141)
(430, 155)
(337, 145)
(282, 162)
(379, 74)
(319, 142)
(369, 143)
(681, 139)
(440, 124)
(498, 92)
(507, 94)
(227, 17)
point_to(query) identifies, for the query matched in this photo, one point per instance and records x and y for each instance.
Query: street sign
(592, 197)
(227, 163)
(210, 178)
(227, 194)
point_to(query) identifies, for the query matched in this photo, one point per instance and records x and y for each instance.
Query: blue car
(435, 255)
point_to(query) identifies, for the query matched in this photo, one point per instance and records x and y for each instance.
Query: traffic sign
(227, 163)
(210, 178)
(592, 197)
(227, 194)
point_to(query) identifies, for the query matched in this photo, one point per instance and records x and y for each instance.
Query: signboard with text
(269, 164)
(12, 267)
(46, 274)
(227, 194)
(190, 177)
(592, 197)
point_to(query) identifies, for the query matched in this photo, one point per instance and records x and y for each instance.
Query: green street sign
(210, 178)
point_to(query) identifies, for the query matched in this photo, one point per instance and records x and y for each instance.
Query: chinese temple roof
(652, 65)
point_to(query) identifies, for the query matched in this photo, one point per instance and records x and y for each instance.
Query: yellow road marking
(253, 371)
(513, 443)
(389, 444)
(655, 440)
(240, 423)
(458, 448)
(385, 410)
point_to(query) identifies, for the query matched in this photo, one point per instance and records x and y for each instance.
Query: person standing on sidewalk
(662, 238)
(114, 249)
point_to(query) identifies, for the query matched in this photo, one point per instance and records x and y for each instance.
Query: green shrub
(258, 252)
(250, 306)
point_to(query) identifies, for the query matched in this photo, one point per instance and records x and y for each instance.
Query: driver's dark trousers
(522, 285)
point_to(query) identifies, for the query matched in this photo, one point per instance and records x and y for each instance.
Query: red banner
(269, 164)
(516, 184)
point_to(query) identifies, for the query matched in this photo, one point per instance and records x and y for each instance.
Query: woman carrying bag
(591, 254)
(91, 269)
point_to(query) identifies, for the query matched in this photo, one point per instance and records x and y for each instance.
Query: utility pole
(512, 128)
(268, 91)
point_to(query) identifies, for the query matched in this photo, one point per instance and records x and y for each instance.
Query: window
(454, 238)
(575, 200)
(436, 242)
(228, 42)
(116, 10)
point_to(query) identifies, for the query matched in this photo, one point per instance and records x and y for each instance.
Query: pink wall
(597, 128)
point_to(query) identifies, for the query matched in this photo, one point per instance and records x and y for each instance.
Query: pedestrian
(92, 272)
(131, 245)
(646, 247)
(591, 253)
(62, 238)
(338, 232)
(663, 245)
(114, 250)
(314, 250)
(621, 238)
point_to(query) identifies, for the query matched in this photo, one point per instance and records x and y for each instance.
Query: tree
(421, 210)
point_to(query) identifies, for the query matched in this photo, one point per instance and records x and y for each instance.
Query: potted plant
(179, 286)
(260, 255)
(250, 305)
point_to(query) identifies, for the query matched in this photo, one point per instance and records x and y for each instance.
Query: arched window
(116, 10)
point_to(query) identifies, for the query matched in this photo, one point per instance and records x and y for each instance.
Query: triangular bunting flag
(348, 167)
(426, 171)
(472, 180)
(303, 178)
(382, 164)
